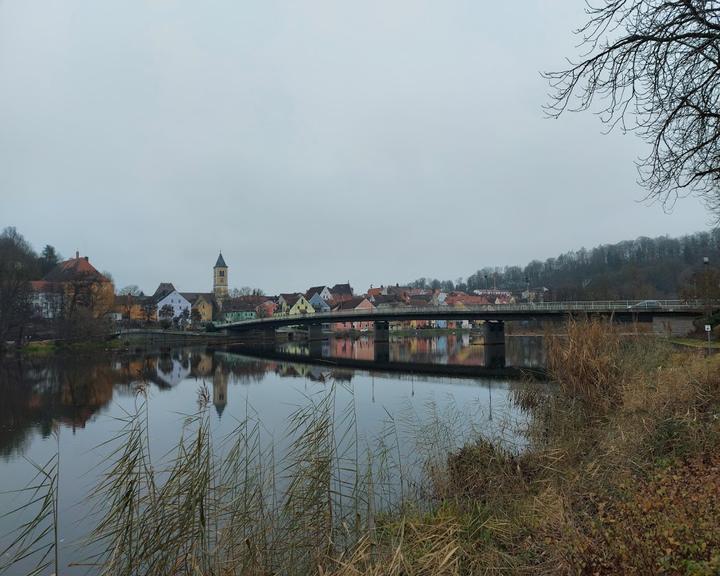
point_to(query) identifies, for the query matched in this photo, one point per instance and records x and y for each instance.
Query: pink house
(354, 303)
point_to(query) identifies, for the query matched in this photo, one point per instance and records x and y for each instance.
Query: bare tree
(166, 314)
(131, 290)
(195, 317)
(245, 291)
(656, 66)
(149, 310)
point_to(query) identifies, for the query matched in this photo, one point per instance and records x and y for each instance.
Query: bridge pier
(382, 351)
(315, 332)
(315, 348)
(494, 332)
(494, 356)
(382, 331)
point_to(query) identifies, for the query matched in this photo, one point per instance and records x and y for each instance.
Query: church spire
(220, 278)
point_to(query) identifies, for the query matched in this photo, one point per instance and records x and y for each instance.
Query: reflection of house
(72, 284)
(202, 365)
(171, 371)
(360, 349)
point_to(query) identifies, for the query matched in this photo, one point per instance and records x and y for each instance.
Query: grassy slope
(623, 476)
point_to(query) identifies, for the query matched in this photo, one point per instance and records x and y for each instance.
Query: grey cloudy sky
(313, 141)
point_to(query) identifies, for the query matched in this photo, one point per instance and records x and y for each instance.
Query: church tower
(220, 278)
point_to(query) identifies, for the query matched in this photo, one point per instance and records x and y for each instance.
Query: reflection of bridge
(493, 365)
(676, 314)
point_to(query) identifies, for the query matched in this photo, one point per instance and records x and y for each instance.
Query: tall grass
(227, 507)
(37, 536)
(584, 362)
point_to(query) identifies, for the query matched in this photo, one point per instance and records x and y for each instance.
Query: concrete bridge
(667, 316)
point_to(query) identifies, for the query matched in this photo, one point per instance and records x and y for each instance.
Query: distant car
(647, 305)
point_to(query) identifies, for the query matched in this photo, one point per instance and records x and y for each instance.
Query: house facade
(202, 304)
(130, 307)
(299, 305)
(319, 303)
(166, 295)
(46, 299)
(237, 310)
(72, 284)
(341, 292)
(355, 303)
(323, 291)
(294, 304)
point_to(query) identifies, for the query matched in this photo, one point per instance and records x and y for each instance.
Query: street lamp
(706, 282)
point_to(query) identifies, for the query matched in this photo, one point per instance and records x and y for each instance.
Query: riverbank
(615, 470)
(622, 475)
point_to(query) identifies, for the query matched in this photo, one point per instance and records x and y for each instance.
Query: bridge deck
(626, 310)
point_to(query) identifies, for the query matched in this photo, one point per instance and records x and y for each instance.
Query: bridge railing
(561, 307)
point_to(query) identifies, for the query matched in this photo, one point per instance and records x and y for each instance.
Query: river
(73, 406)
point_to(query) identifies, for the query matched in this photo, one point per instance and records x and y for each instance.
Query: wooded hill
(633, 269)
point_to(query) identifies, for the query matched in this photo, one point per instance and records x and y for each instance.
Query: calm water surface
(83, 400)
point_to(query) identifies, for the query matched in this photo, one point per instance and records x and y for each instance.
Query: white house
(46, 299)
(166, 295)
(322, 291)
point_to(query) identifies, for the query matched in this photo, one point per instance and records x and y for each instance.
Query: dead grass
(621, 476)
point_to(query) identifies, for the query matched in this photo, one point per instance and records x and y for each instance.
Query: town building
(319, 303)
(131, 307)
(72, 284)
(294, 304)
(202, 305)
(238, 309)
(354, 303)
(323, 291)
(220, 279)
(167, 295)
(341, 292)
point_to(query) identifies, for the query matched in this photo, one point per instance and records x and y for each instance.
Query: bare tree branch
(655, 65)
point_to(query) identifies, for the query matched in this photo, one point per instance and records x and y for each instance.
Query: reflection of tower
(220, 383)
(220, 278)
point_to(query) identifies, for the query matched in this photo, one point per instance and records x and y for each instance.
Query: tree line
(660, 267)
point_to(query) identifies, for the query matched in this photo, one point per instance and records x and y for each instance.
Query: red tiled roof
(73, 270)
(352, 303)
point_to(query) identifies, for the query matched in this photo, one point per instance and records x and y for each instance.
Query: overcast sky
(313, 141)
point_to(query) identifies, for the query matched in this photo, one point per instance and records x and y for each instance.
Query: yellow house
(295, 305)
(203, 305)
(81, 286)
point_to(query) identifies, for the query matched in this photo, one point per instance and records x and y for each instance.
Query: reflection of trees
(36, 395)
(243, 370)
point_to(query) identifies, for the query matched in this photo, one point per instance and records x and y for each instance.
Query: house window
(222, 273)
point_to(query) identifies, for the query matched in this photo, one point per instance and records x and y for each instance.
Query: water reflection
(449, 350)
(84, 398)
(37, 394)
